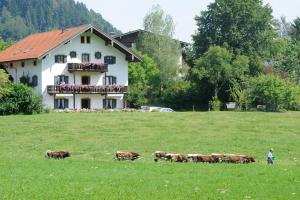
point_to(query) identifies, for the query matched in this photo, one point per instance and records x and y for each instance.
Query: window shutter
(66, 80)
(56, 59)
(104, 103)
(114, 81)
(55, 103)
(60, 102)
(65, 59)
(66, 103)
(34, 81)
(113, 60)
(114, 103)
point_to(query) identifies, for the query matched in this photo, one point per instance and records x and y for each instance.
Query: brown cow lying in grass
(176, 157)
(121, 155)
(58, 154)
(173, 157)
(233, 158)
(194, 157)
(220, 158)
(202, 158)
(160, 155)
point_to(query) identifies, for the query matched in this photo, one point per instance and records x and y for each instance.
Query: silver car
(166, 110)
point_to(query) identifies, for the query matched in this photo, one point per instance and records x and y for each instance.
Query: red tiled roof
(38, 44)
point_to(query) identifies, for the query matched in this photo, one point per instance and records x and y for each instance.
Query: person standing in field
(270, 157)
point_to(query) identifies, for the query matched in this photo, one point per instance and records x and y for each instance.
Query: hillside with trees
(19, 18)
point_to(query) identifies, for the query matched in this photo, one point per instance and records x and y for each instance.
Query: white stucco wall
(96, 100)
(50, 69)
(29, 69)
(46, 69)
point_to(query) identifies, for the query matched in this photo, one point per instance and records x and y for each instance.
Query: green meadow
(92, 173)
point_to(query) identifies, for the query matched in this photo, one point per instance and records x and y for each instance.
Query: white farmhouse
(77, 68)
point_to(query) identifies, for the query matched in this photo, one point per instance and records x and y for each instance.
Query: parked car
(166, 110)
(150, 109)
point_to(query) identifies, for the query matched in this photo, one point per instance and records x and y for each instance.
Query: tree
(239, 93)
(291, 61)
(177, 95)
(285, 59)
(3, 81)
(4, 45)
(243, 27)
(219, 67)
(20, 18)
(295, 30)
(274, 92)
(157, 43)
(136, 96)
(159, 23)
(282, 27)
(143, 81)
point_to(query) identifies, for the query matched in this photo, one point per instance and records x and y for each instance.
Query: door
(85, 104)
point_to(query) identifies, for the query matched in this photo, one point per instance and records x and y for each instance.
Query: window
(23, 64)
(85, 104)
(110, 60)
(60, 59)
(109, 103)
(110, 80)
(82, 39)
(34, 81)
(73, 54)
(85, 80)
(88, 39)
(34, 63)
(98, 55)
(85, 57)
(61, 103)
(61, 79)
(11, 65)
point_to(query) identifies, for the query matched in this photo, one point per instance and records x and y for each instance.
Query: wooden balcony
(86, 89)
(87, 67)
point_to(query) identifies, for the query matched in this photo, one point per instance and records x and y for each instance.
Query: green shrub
(136, 96)
(215, 104)
(20, 99)
(276, 93)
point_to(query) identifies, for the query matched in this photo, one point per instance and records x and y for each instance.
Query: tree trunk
(216, 93)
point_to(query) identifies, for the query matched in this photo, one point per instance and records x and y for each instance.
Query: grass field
(92, 173)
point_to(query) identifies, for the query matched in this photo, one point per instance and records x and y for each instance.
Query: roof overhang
(138, 31)
(130, 55)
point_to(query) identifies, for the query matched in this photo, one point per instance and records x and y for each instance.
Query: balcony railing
(86, 89)
(91, 67)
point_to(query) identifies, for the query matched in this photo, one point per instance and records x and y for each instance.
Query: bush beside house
(20, 99)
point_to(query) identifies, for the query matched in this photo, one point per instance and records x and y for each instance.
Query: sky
(128, 15)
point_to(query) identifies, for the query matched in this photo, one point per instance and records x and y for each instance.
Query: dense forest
(19, 18)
